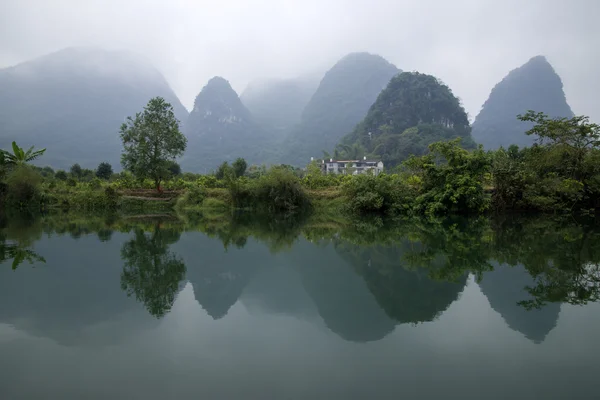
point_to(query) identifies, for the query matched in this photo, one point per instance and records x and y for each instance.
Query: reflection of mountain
(407, 296)
(304, 282)
(76, 289)
(278, 289)
(218, 276)
(504, 287)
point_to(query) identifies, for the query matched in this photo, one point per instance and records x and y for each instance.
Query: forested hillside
(413, 111)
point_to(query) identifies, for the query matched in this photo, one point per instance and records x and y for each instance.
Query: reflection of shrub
(214, 203)
(23, 186)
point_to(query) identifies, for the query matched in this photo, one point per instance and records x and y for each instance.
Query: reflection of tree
(104, 234)
(24, 231)
(278, 231)
(151, 272)
(18, 254)
(562, 258)
(577, 285)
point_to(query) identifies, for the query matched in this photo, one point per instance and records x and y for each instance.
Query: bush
(193, 197)
(61, 175)
(23, 187)
(277, 191)
(104, 171)
(95, 184)
(383, 194)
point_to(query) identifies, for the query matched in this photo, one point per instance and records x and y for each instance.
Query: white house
(351, 166)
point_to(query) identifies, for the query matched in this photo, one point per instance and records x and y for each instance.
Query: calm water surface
(163, 309)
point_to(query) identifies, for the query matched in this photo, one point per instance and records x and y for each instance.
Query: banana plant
(19, 156)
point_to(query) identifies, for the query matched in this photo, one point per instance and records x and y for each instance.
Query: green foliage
(61, 175)
(378, 194)
(452, 179)
(315, 179)
(193, 197)
(174, 169)
(239, 167)
(104, 171)
(279, 191)
(19, 157)
(151, 272)
(76, 171)
(225, 171)
(151, 141)
(413, 111)
(23, 186)
(559, 173)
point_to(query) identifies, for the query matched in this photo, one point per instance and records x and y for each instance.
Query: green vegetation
(151, 141)
(413, 111)
(104, 171)
(19, 157)
(559, 174)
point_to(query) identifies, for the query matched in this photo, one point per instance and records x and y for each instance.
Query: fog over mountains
(73, 101)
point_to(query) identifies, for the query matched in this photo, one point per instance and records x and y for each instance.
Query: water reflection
(358, 279)
(151, 272)
(504, 289)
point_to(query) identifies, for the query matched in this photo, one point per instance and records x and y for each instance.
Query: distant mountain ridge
(73, 102)
(277, 104)
(533, 86)
(220, 128)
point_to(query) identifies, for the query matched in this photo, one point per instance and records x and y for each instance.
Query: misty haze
(334, 199)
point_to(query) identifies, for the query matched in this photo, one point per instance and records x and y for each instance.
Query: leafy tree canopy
(104, 171)
(239, 167)
(151, 141)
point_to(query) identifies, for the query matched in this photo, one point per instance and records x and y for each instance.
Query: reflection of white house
(354, 167)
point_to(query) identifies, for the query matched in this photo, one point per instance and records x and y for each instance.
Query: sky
(469, 44)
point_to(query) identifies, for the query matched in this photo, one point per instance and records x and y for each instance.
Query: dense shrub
(277, 191)
(194, 196)
(452, 179)
(23, 187)
(378, 194)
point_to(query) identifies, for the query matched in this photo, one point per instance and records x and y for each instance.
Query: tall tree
(239, 167)
(76, 170)
(104, 171)
(151, 141)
